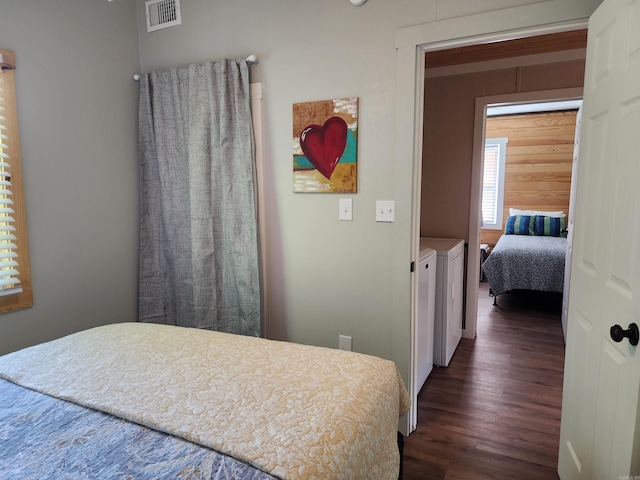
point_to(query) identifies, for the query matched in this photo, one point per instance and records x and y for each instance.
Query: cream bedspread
(295, 411)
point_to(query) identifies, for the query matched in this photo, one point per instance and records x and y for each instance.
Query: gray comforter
(42, 437)
(524, 262)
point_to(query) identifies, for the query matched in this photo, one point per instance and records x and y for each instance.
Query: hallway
(494, 412)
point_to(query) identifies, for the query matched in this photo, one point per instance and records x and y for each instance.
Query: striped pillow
(550, 226)
(520, 225)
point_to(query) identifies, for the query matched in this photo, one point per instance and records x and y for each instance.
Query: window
(15, 281)
(495, 152)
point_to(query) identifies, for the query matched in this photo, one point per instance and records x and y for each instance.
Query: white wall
(325, 277)
(77, 108)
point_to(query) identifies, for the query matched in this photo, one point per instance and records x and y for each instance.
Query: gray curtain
(198, 229)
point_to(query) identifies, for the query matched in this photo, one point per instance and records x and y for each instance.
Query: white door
(600, 432)
(570, 222)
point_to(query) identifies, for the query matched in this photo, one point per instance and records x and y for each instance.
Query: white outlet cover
(345, 342)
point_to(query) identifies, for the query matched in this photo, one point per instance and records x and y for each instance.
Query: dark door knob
(632, 333)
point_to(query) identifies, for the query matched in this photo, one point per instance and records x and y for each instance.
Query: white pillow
(515, 211)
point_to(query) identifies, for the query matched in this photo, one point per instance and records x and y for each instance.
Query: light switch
(385, 210)
(346, 209)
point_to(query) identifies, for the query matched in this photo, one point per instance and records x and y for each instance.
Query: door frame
(411, 44)
(473, 264)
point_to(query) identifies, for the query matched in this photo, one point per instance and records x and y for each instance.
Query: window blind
(490, 184)
(9, 258)
(495, 150)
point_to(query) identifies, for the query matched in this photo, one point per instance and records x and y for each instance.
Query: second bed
(526, 262)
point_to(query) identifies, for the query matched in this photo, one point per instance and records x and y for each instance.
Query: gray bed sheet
(526, 262)
(42, 437)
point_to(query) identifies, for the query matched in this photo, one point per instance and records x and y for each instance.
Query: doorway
(459, 86)
(536, 144)
(411, 92)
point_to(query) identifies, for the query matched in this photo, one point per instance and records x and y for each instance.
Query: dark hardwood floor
(494, 412)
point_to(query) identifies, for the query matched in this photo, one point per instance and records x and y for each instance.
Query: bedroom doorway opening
(529, 164)
(445, 212)
(527, 70)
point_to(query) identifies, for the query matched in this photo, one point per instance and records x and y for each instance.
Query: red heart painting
(323, 145)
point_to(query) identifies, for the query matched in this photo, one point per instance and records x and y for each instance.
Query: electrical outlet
(345, 342)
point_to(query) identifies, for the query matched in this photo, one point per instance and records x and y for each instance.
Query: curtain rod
(251, 59)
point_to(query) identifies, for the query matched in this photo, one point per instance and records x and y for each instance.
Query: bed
(529, 256)
(139, 400)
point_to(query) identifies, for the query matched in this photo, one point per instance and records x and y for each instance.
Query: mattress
(292, 411)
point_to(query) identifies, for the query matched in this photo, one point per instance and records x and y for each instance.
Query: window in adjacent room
(15, 280)
(495, 152)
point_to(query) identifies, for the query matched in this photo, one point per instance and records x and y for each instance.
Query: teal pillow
(550, 226)
(520, 225)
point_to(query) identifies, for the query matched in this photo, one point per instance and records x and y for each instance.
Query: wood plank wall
(538, 163)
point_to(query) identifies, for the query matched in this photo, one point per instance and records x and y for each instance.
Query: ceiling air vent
(162, 14)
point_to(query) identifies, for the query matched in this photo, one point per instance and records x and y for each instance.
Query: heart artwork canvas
(325, 141)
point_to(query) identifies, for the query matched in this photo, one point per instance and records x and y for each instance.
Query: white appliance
(449, 293)
(426, 315)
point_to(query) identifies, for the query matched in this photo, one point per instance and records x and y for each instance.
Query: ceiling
(513, 109)
(555, 42)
